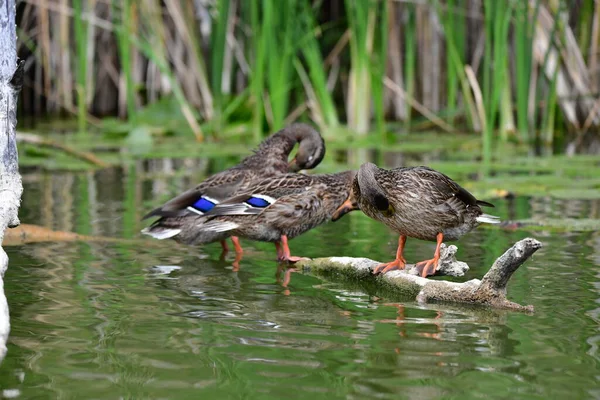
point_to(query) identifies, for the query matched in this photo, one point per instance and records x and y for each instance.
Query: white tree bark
(11, 80)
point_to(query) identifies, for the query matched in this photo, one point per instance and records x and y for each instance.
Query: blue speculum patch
(258, 202)
(204, 205)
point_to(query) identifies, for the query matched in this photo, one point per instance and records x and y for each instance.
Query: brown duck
(182, 217)
(416, 202)
(283, 207)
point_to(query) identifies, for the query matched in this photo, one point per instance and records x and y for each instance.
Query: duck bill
(344, 209)
(293, 165)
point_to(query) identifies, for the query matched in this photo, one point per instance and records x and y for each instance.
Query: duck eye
(310, 158)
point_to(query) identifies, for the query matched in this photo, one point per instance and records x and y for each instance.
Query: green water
(150, 319)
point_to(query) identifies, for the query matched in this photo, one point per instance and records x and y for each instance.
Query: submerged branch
(26, 233)
(490, 291)
(31, 138)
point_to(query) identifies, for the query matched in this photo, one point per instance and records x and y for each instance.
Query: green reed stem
(454, 28)
(552, 45)
(379, 70)
(279, 34)
(550, 115)
(218, 49)
(124, 31)
(455, 56)
(487, 52)
(496, 19)
(361, 23)
(81, 76)
(258, 68)
(410, 56)
(523, 62)
(309, 46)
(501, 24)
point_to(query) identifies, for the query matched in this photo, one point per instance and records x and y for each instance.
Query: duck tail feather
(484, 203)
(488, 219)
(160, 233)
(220, 226)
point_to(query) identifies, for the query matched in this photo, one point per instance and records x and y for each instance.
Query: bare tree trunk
(11, 80)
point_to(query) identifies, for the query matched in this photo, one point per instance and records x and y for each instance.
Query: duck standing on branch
(182, 217)
(416, 202)
(280, 208)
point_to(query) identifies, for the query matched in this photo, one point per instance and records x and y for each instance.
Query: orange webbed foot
(283, 251)
(399, 263)
(291, 259)
(427, 267)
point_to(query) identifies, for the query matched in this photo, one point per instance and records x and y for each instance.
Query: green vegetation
(514, 71)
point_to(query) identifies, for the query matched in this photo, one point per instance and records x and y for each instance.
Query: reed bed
(524, 71)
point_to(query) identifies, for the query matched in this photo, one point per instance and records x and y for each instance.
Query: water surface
(150, 319)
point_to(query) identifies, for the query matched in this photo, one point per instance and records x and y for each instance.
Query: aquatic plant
(521, 71)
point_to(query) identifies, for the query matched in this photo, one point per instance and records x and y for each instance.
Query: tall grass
(258, 42)
(410, 57)
(498, 64)
(279, 30)
(81, 75)
(361, 23)
(379, 67)
(219, 45)
(524, 28)
(497, 19)
(123, 13)
(454, 26)
(320, 100)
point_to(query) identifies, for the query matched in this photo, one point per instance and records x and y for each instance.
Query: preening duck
(280, 208)
(182, 217)
(416, 202)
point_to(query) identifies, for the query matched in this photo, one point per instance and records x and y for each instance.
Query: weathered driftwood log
(11, 80)
(489, 291)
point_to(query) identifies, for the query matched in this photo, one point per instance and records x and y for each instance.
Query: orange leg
(238, 253)
(287, 272)
(285, 251)
(236, 245)
(428, 267)
(225, 250)
(279, 250)
(288, 277)
(224, 245)
(398, 263)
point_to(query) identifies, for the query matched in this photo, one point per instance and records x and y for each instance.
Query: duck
(281, 208)
(417, 202)
(181, 218)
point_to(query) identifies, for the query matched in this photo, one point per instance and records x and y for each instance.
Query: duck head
(311, 149)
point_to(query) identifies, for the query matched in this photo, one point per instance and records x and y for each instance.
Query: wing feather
(216, 188)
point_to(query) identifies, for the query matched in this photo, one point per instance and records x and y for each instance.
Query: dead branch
(490, 291)
(31, 138)
(26, 233)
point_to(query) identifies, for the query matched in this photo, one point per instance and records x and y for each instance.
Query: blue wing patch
(258, 202)
(204, 205)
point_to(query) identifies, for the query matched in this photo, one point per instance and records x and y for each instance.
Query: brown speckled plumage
(417, 202)
(302, 202)
(269, 159)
